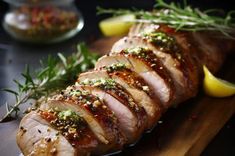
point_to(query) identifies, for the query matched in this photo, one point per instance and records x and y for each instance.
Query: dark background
(14, 55)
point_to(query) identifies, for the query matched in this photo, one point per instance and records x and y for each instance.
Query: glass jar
(42, 21)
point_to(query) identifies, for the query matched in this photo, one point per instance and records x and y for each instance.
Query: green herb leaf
(54, 74)
(10, 91)
(182, 17)
(63, 59)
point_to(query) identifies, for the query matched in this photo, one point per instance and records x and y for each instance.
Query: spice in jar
(40, 23)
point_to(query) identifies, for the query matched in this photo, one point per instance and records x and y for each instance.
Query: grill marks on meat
(145, 73)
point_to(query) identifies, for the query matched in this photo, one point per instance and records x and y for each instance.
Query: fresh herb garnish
(102, 83)
(138, 51)
(115, 67)
(55, 74)
(182, 17)
(164, 41)
(69, 114)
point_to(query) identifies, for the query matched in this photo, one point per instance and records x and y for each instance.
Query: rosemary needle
(182, 17)
(54, 74)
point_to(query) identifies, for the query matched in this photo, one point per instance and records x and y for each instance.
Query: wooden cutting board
(186, 130)
(182, 131)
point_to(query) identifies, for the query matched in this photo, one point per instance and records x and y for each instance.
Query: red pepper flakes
(50, 17)
(44, 23)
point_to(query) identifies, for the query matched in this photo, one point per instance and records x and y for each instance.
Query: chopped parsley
(69, 115)
(115, 67)
(102, 83)
(164, 41)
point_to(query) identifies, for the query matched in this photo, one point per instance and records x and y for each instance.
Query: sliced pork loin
(147, 65)
(37, 137)
(132, 117)
(201, 47)
(132, 83)
(173, 49)
(99, 117)
(104, 110)
(170, 63)
(181, 37)
(189, 54)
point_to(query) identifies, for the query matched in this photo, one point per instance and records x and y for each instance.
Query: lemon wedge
(116, 26)
(217, 87)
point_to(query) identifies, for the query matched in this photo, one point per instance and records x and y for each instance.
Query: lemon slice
(116, 26)
(217, 87)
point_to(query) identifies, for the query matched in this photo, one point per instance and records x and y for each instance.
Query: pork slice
(94, 74)
(161, 84)
(190, 61)
(36, 137)
(141, 92)
(139, 28)
(131, 117)
(184, 70)
(100, 119)
(171, 64)
(134, 85)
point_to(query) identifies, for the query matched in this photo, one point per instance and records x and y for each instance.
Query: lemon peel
(216, 87)
(116, 26)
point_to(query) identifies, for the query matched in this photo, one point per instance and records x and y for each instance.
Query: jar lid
(38, 2)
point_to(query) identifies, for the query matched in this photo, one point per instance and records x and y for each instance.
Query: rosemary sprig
(54, 74)
(182, 17)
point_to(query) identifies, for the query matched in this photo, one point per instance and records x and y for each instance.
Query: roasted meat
(133, 84)
(173, 52)
(45, 133)
(146, 72)
(132, 117)
(144, 62)
(37, 137)
(98, 116)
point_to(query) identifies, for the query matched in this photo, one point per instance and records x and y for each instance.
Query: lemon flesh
(116, 26)
(216, 87)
